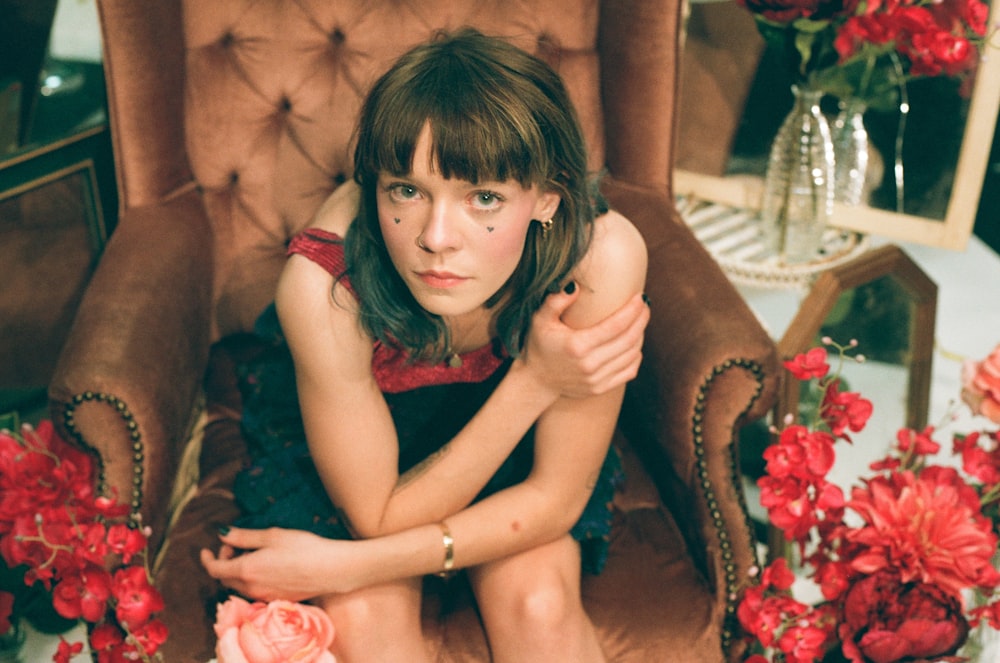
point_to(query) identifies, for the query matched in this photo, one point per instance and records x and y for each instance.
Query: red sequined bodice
(391, 366)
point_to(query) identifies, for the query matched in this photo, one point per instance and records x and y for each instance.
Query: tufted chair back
(232, 121)
(254, 103)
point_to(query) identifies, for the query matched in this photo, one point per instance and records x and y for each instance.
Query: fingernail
(222, 529)
(645, 298)
(570, 288)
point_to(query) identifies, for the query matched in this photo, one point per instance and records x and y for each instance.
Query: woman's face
(453, 242)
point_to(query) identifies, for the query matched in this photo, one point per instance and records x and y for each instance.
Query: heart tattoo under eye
(395, 220)
(489, 229)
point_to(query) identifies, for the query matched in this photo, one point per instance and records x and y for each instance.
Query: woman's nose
(439, 233)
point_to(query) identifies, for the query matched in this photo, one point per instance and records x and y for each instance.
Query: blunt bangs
(485, 124)
(496, 114)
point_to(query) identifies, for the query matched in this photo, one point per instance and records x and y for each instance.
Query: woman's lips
(441, 279)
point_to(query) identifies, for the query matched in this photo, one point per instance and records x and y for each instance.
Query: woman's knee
(548, 604)
(545, 602)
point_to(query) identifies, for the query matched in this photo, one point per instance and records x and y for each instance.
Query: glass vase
(798, 186)
(850, 152)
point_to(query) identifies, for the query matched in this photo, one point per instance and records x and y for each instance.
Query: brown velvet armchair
(232, 121)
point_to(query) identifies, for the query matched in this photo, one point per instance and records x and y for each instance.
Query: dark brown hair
(496, 113)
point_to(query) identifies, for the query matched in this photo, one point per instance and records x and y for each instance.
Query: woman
(457, 393)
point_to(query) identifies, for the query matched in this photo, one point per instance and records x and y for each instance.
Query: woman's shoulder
(614, 268)
(617, 242)
(316, 264)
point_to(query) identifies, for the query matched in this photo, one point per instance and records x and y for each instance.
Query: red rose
(887, 621)
(786, 11)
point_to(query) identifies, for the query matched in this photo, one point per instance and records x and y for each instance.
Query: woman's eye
(403, 191)
(486, 200)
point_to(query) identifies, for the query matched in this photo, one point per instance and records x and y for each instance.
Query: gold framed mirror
(720, 97)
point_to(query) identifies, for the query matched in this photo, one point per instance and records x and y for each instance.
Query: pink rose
(274, 632)
(981, 386)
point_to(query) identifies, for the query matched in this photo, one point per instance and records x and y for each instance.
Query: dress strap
(324, 248)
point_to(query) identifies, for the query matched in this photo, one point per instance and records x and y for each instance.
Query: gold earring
(546, 227)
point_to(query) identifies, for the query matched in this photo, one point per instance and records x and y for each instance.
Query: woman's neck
(470, 331)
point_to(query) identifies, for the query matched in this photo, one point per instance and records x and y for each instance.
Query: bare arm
(572, 438)
(357, 455)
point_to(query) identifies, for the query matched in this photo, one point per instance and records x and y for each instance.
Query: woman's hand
(578, 363)
(285, 564)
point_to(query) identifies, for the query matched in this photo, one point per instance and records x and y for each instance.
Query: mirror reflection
(928, 139)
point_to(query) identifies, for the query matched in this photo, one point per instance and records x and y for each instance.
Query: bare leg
(379, 624)
(532, 609)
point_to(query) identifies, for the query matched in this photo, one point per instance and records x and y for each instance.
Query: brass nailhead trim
(138, 449)
(725, 544)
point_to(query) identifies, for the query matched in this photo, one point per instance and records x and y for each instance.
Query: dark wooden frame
(888, 260)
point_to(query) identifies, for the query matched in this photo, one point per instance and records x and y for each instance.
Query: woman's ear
(547, 205)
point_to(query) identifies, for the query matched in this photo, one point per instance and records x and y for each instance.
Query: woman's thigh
(377, 617)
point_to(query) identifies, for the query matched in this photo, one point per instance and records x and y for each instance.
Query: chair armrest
(709, 368)
(130, 372)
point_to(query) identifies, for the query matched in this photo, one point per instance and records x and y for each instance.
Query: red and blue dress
(429, 403)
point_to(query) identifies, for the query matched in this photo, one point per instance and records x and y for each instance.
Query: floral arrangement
(272, 632)
(981, 385)
(904, 566)
(865, 49)
(76, 544)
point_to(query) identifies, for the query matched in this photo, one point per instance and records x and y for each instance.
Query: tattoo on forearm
(421, 468)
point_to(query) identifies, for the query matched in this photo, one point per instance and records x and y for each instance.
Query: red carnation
(924, 530)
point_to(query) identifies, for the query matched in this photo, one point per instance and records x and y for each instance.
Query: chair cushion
(649, 604)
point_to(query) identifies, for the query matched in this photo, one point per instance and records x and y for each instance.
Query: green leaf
(9, 421)
(803, 44)
(809, 25)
